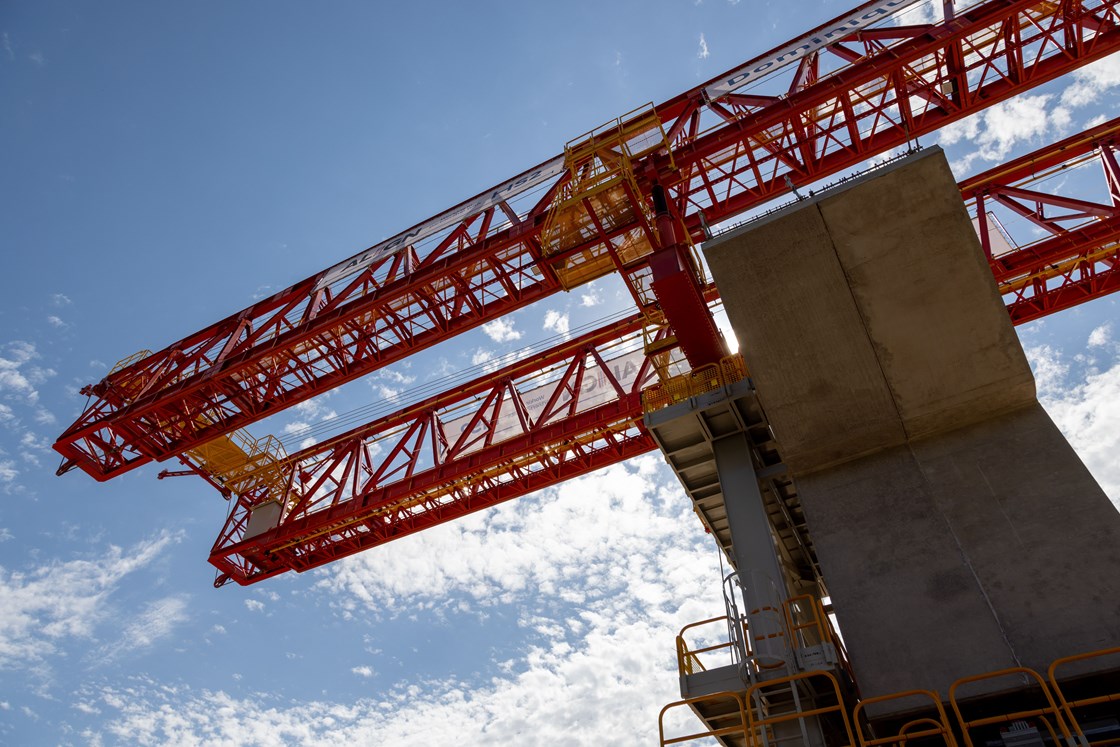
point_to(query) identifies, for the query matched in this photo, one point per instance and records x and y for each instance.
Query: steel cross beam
(562, 413)
(1078, 258)
(861, 94)
(565, 412)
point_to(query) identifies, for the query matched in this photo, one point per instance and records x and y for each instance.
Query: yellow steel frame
(1068, 706)
(601, 194)
(757, 725)
(700, 381)
(934, 726)
(727, 731)
(1041, 713)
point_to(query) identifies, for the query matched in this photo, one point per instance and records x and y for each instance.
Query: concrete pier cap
(956, 529)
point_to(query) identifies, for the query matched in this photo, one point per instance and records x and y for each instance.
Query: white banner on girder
(806, 45)
(446, 219)
(595, 389)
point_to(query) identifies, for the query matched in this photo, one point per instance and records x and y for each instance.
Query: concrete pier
(956, 529)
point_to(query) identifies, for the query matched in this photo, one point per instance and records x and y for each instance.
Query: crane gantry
(631, 198)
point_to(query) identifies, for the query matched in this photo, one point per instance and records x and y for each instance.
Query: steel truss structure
(860, 95)
(629, 198)
(1078, 257)
(410, 470)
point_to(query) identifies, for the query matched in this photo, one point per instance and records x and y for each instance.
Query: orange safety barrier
(756, 693)
(688, 659)
(699, 381)
(812, 628)
(1068, 706)
(735, 730)
(919, 728)
(1056, 715)
(754, 640)
(1051, 707)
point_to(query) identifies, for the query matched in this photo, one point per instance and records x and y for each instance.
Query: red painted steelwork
(1079, 257)
(565, 412)
(864, 94)
(350, 498)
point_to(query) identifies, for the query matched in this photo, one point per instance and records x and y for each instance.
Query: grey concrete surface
(957, 530)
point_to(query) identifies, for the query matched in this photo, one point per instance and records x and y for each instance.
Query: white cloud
(18, 376)
(1091, 81)
(920, 13)
(481, 356)
(55, 322)
(254, 605)
(157, 621)
(556, 322)
(702, 52)
(998, 129)
(1100, 336)
(501, 330)
(601, 572)
(1086, 409)
(219, 629)
(43, 608)
(31, 446)
(60, 299)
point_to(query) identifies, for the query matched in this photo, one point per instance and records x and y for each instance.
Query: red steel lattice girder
(730, 154)
(564, 412)
(349, 514)
(1078, 258)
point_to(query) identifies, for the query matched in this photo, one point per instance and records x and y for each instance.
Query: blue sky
(162, 166)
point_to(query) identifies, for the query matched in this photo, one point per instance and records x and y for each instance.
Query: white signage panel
(806, 45)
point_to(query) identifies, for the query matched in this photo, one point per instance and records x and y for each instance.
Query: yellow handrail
(1041, 713)
(1068, 706)
(705, 379)
(726, 731)
(939, 725)
(757, 724)
(689, 658)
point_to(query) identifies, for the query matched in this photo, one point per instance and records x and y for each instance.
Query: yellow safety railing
(735, 729)
(237, 460)
(808, 625)
(758, 693)
(1068, 706)
(688, 659)
(931, 720)
(600, 196)
(699, 381)
(806, 621)
(1049, 707)
(128, 361)
(131, 387)
(805, 624)
(242, 463)
(919, 728)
